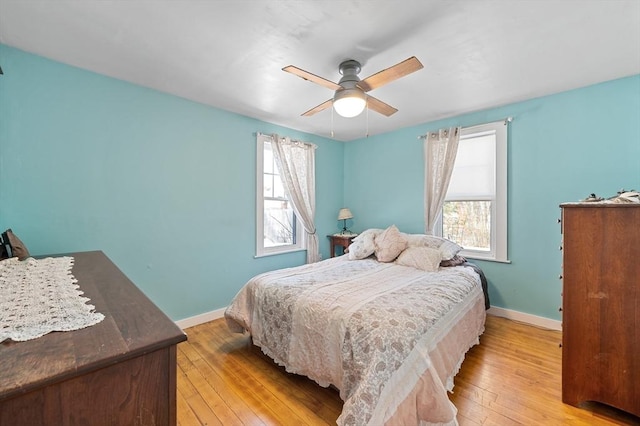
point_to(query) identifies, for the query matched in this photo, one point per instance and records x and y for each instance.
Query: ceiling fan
(350, 97)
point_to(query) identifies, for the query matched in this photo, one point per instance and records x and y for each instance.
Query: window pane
(267, 184)
(278, 189)
(279, 223)
(474, 170)
(268, 158)
(468, 223)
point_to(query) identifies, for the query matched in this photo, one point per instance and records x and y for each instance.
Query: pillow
(389, 244)
(16, 248)
(447, 248)
(422, 240)
(423, 258)
(362, 248)
(366, 233)
(363, 245)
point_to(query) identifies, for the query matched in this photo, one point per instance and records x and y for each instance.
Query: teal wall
(164, 186)
(561, 148)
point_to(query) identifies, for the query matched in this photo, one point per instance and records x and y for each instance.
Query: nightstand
(340, 241)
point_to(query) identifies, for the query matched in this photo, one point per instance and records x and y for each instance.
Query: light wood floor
(511, 378)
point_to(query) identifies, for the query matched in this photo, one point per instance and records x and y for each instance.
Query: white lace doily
(41, 296)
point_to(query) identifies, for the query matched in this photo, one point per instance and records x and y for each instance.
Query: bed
(390, 335)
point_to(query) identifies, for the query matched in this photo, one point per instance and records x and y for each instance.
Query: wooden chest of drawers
(601, 305)
(121, 371)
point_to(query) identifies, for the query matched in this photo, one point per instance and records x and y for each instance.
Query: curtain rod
(292, 140)
(506, 120)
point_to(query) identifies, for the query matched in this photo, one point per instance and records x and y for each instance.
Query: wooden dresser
(601, 305)
(121, 371)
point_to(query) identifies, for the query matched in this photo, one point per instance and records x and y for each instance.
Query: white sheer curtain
(296, 163)
(439, 156)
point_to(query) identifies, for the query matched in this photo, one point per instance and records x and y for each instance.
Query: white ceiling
(477, 54)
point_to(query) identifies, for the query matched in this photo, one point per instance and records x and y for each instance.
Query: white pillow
(423, 258)
(389, 244)
(447, 248)
(423, 240)
(362, 248)
(366, 233)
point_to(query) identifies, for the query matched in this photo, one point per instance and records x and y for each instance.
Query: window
(278, 229)
(474, 214)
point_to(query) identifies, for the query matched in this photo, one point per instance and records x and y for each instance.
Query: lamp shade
(349, 102)
(345, 214)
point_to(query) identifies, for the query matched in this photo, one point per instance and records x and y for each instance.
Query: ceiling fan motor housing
(349, 70)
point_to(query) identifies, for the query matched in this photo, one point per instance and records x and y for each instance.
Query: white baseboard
(201, 319)
(499, 312)
(526, 318)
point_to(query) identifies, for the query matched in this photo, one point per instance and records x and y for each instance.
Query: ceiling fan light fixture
(349, 102)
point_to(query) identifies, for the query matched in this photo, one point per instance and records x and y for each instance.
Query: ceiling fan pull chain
(331, 122)
(367, 107)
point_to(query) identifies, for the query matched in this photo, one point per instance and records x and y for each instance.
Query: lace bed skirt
(38, 296)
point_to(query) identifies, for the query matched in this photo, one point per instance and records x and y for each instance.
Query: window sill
(275, 253)
(486, 259)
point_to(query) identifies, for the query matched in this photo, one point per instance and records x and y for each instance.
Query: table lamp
(343, 215)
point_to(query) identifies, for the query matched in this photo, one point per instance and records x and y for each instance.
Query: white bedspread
(368, 328)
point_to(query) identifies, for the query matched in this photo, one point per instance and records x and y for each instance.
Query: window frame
(498, 234)
(261, 250)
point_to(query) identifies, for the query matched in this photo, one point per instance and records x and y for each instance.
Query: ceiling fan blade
(311, 77)
(316, 109)
(390, 74)
(380, 107)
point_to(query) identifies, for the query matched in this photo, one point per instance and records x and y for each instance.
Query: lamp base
(344, 227)
(345, 231)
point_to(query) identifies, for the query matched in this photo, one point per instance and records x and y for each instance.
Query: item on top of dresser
(630, 196)
(592, 198)
(38, 296)
(12, 246)
(624, 196)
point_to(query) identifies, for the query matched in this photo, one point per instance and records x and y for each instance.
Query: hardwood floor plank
(467, 390)
(241, 400)
(242, 412)
(511, 378)
(308, 393)
(186, 416)
(203, 412)
(288, 387)
(474, 413)
(184, 384)
(240, 376)
(209, 394)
